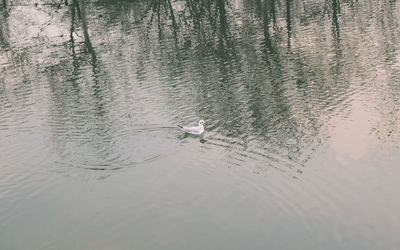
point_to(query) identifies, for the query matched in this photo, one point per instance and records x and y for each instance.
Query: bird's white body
(194, 130)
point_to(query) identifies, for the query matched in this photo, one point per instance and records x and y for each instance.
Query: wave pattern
(277, 81)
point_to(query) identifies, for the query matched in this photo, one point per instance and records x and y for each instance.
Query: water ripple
(280, 84)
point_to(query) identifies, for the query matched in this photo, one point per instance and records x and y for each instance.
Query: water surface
(301, 150)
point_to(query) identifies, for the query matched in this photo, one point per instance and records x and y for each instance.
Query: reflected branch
(268, 48)
(174, 25)
(79, 8)
(88, 43)
(222, 17)
(335, 21)
(335, 27)
(75, 62)
(4, 30)
(5, 7)
(288, 22)
(194, 13)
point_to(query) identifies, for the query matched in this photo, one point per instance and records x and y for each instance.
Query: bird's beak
(205, 123)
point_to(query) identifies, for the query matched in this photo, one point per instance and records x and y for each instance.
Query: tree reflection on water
(271, 73)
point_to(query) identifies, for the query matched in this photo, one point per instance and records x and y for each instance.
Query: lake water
(301, 150)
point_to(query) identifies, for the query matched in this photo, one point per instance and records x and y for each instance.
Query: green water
(301, 150)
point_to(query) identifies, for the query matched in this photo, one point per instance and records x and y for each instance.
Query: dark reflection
(273, 125)
(204, 29)
(81, 8)
(76, 63)
(387, 128)
(4, 7)
(4, 31)
(267, 11)
(337, 69)
(335, 21)
(81, 127)
(288, 22)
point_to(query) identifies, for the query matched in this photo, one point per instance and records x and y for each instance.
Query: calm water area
(301, 149)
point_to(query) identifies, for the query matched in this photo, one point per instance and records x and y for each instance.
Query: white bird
(194, 130)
